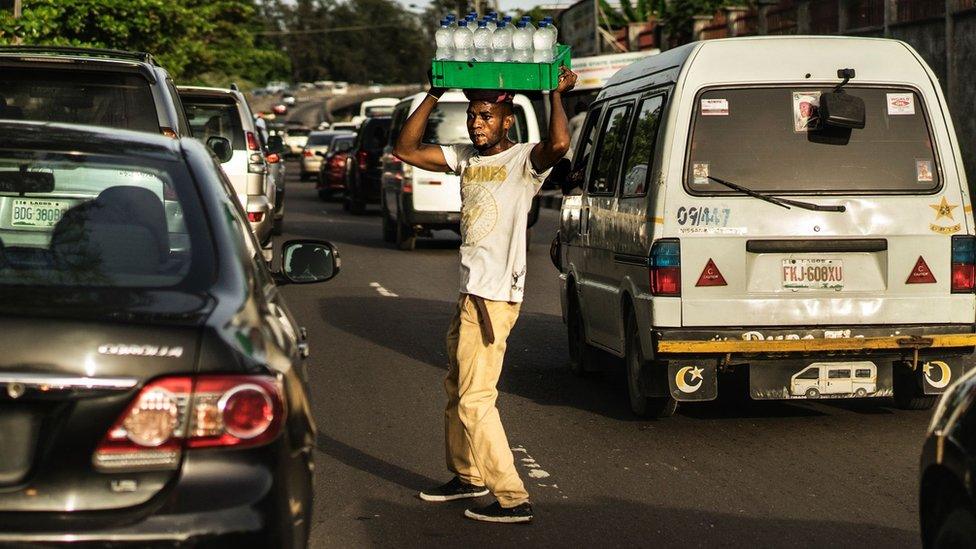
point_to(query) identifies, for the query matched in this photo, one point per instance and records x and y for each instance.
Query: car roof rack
(93, 52)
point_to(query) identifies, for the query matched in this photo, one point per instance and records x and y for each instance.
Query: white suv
(216, 112)
(414, 201)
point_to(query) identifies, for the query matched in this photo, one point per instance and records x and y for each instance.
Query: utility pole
(17, 13)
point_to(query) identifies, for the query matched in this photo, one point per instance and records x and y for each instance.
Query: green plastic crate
(491, 75)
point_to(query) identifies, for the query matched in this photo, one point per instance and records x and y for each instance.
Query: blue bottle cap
(521, 24)
(543, 24)
(482, 24)
(502, 24)
(507, 18)
(463, 23)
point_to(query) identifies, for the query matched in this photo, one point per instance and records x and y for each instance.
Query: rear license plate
(34, 212)
(827, 274)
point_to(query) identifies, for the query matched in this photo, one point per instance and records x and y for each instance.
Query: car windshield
(317, 139)
(214, 117)
(772, 140)
(117, 100)
(379, 111)
(99, 222)
(448, 125)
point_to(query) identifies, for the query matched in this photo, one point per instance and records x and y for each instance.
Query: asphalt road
(762, 474)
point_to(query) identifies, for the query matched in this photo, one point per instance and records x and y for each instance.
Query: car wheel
(389, 229)
(582, 356)
(957, 531)
(640, 404)
(405, 237)
(812, 392)
(303, 176)
(324, 194)
(908, 395)
(345, 203)
(357, 207)
(278, 225)
(861, 393)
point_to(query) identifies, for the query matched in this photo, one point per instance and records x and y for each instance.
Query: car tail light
(252, 142)
(273, 158)
(307, 153)
(174, 413)
(361, 158)
(665, 268)
(255, 163)
(963, 264)
(255, 217)
(168, 132)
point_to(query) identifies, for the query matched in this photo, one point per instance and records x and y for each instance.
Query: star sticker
(943, 209)
(696, 373)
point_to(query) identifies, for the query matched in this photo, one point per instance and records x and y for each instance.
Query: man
(499, 178)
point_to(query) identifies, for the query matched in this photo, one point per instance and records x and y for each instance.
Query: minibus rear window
(771, 139)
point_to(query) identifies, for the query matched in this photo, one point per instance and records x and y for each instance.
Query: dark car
(99, 87)
(151, 382)
(332, 172)
(947, 495)
(365, 174)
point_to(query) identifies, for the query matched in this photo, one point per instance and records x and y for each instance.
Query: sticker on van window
(699, 173)
(806, 110)
(715, 107)
(923, 170)
(900, 104)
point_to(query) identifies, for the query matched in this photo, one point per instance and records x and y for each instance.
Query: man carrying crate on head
(499, 178)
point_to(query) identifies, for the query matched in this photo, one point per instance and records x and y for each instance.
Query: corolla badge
(129, 349)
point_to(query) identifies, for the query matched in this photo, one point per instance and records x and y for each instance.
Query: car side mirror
(308, 262)
(842, 110)
(221, 148)
(276, 144)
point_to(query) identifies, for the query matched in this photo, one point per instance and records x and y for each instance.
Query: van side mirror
(221, 148)
(276, 144)
(841, 110)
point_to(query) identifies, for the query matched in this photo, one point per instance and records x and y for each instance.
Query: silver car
(216, 112)
(318, 144)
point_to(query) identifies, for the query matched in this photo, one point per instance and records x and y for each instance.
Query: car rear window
(214, 117)
(771, 139)
(297, 132)
(448, 125)
(320, 139)
(112, 99)
(374, 133)
(100, 222)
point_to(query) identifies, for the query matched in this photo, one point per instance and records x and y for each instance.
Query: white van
(751, 205)
(414, 201)
(381, 106)
(857, 379)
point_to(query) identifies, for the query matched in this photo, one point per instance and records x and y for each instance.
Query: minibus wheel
(641, 405)
(582, 356)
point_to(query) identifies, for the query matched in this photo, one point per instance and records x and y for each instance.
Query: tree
(197, 41)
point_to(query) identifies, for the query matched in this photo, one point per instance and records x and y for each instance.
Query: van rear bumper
(922, 358)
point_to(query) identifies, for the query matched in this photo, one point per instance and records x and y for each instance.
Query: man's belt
(487, 332)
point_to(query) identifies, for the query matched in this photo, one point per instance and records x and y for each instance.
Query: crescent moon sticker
(944, 379)
(683, 386)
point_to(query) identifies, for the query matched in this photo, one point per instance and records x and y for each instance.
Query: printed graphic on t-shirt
(479, 212)
(485, 174)
(518, 279)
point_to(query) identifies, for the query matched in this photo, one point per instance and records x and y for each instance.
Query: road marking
(535, 470)
(381, 290)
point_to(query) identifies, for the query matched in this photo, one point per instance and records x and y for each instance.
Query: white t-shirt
(496, 196)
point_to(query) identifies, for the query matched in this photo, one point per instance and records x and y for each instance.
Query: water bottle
(444, 38)
(542, 43)
(451, 20)
(491, 23)
(482, 42)
(552, 27)
(522, 47)
(501, 42)
(463, 42)
(528, 22)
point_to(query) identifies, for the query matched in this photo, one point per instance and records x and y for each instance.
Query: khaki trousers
(477, 448)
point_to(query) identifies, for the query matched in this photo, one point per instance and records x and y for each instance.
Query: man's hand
(567, 80)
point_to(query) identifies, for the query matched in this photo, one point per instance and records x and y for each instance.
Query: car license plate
(33, 212)
(813, 273)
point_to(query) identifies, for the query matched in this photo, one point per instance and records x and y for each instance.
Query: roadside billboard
(594, 71)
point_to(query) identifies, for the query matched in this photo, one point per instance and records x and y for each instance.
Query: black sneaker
(454, 489)
(497, 513)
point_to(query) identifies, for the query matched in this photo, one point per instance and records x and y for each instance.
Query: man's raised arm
(546, 153)
(410, 148)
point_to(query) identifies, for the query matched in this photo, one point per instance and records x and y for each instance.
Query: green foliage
(197, 41)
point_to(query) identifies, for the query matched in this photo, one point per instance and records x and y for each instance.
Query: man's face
(488, 123)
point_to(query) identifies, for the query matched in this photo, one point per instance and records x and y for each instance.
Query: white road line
(535, 470)
(381, 290)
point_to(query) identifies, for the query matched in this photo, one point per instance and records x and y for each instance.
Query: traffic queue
(731, 219)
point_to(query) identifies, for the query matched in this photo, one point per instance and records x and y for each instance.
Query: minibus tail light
(963, 264)
(665, 268)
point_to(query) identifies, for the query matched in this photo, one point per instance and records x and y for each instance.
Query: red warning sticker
(921, 274)
(711, 276)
